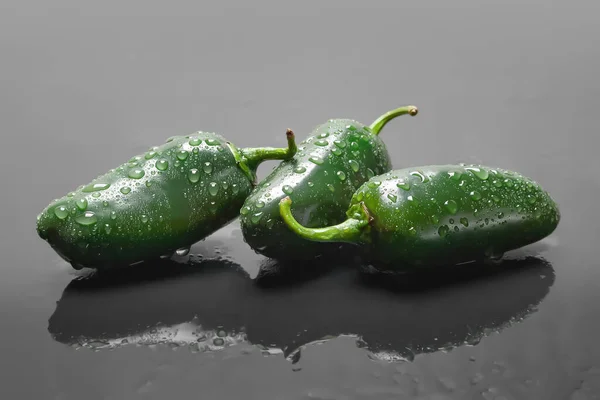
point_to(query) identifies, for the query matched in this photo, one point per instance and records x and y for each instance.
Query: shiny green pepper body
(156, 204)
(440, 215)
(330, 165)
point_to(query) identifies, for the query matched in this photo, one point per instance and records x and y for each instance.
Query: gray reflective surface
(511, 84)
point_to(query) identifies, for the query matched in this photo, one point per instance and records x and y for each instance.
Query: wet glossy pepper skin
(440, 215)
(338, 157)
(164, 200)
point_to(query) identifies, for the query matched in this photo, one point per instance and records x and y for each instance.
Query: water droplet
(508, 182)
(435, 219)
(370, 173)
(195, 141)
(194, 175)
(455, 175)
(182, 155)
(96, 187)
(451, 221)
(424, 178)
(481, 173)
(107, 229)
(213, 188)
(341, 175)
(500, 215)
(125, 190)
(170, 139)
(475, 195)
(354, 145)
(86, 219)
(260, 204)
(443, 230)
(245, 210)
(531, 199)
(537, 213)
(310, 184)
(256, 217)
(339, 144)
(81, 204)
(299, 169)
(321, 142)
(71, 194)
(224, 185)
(323, 135)
(392, 197)
(184, 251)
(207, 168)
(218, 341)
(212, 142)
(351, 128)
(496, 198)
(354, 165)
(403, 185)
(336, 151)
(150, 155)
(412, 231)
(61, 212)
(497, 183)
(451, 206)
(287, 189)
(464, 221)
(316, 160)
(144, 218)
(373, 184)
(96, 195)
(136, 173)
(113, 215)
(148, 183)
(330, 187)
(235, 189)
(162, 165)
(410, 198)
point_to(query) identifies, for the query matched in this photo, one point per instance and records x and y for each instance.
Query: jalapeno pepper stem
(255, 155)
(390, 115)
(348, 231)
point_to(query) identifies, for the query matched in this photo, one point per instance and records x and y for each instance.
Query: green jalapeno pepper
(156, 204)
(330, 166)
(439, 215)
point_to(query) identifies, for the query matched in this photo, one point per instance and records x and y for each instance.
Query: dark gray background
(505, 83)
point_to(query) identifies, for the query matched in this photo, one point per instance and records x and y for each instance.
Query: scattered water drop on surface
(245, 210)
(455, 175)
(82, 204)
(354, 145)
(136, 173)
(310, 184)
(340, 144)
(321, 142)
(323, 135)
(403, 185)
(193, 175)
(341, 175)
(451, 206)
(94, 187)
(195, 141)
(61, 212)
(125, 190)
(481, 173)
(336, 151)
(287, 189)
(370, 173)
(424, 178)
(316, 160)
(162, 165)
(354, 165)
(107, 229)
(373, 184)
(150, 155)
(207, 167)
(213, 188)
(256, 217)
(330, 187)
(464, 221)
(443, 230)
(392, 197)
(212, 142)
(96, 195)
(260, 204)
(113, 215)
(86, 219)
(182, 155)
(299, 169)
(184, 251)
(475, 195)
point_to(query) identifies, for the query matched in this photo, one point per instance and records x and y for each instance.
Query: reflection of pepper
(330, 165)
(166, 199)
(439, 215)
(393, 316)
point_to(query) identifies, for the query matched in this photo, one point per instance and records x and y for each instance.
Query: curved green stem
(390, 115)
(348, 231)
(252, 157)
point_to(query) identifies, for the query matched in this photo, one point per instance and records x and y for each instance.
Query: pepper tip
(413, 110)
(289, 133)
